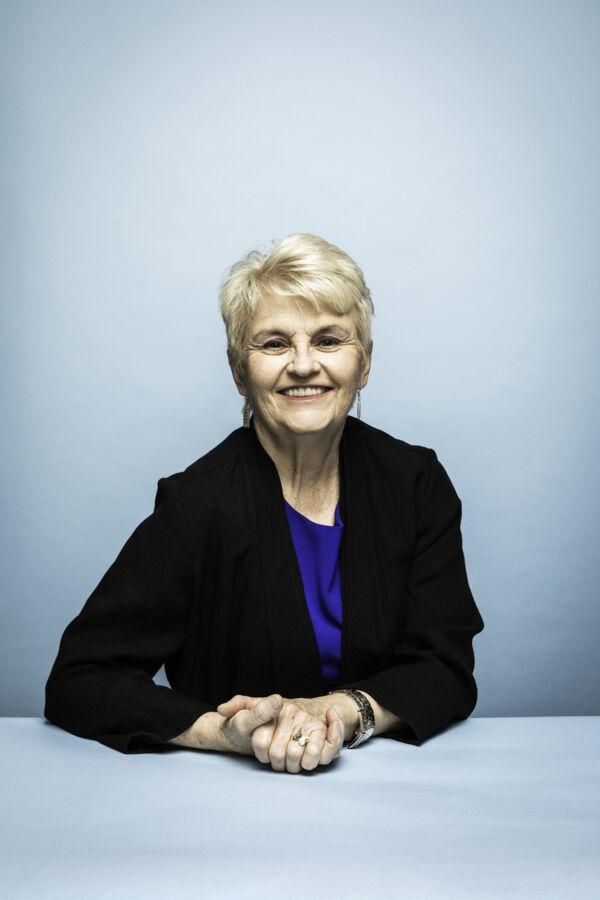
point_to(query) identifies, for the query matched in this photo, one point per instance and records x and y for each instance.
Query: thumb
(232, 706)
(267, 708)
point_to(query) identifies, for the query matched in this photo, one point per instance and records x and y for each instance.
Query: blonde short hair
(301, 265)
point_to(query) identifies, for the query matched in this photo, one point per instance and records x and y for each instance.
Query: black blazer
(210, 585)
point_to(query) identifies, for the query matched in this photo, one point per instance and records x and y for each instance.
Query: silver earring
(246, 410)
(358, 405)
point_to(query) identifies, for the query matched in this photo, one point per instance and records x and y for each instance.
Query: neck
(306, 463)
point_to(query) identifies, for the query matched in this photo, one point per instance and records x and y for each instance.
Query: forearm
(384, 719)
(204, 734)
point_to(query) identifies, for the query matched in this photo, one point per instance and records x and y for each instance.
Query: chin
(308, 424)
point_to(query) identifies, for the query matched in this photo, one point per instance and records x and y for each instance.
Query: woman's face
(289, 345)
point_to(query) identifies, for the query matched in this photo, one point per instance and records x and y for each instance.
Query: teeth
(303, 392)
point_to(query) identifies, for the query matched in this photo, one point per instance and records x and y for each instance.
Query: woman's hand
(346, 708)
(272, 741)
(238, 725)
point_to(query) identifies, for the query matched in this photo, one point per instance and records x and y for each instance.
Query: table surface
(490, 808)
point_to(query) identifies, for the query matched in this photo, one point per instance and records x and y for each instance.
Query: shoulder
(209, 497)
(385, 457)
(385, 445)
(215, 461)
(210, 481)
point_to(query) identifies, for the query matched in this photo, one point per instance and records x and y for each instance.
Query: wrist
(209, 732)
(204, 734)
(349, 712)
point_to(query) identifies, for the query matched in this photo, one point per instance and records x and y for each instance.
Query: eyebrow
(333, 329)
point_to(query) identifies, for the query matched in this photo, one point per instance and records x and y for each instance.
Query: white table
(490, 808)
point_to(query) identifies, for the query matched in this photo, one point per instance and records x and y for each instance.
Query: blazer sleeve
(101, 684)
(431, 683)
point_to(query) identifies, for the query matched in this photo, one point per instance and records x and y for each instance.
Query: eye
(278, 344)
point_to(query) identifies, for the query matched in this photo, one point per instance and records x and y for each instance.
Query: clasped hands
(265, 726)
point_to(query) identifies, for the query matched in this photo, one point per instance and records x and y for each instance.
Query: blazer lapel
(294, 648)
(368, 564)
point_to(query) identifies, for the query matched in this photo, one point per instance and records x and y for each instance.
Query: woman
(304, 581)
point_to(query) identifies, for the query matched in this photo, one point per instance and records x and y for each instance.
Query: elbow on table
(56, 702)
(67, 704)
(470, 696)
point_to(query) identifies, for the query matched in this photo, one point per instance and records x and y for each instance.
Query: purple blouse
(317, 548)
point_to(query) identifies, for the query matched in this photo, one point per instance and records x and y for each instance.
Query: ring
(302, 739)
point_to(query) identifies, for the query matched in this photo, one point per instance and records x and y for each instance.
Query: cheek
(262, 374)
(349, 372)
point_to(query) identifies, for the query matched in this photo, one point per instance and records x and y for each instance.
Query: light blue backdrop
(451, 148)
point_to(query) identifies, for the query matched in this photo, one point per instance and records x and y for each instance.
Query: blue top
(317, 548)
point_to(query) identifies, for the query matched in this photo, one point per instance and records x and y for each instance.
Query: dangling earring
(358, 405)
(246, 410)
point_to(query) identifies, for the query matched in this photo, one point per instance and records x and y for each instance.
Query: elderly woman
(304, 581)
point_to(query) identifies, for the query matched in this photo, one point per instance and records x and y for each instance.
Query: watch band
(367, 717)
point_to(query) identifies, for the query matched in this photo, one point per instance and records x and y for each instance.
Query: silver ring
(302, 739)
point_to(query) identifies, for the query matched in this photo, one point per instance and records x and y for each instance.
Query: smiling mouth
(305, 393)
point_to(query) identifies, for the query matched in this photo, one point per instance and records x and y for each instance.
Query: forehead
(294, 313)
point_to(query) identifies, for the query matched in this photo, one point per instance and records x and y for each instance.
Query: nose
(303, 362)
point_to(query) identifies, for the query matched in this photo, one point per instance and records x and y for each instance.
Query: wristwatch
(367, 717)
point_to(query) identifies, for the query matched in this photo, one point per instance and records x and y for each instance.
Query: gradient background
(450, 148)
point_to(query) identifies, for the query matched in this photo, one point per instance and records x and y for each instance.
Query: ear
(366, 368)
(237, 375)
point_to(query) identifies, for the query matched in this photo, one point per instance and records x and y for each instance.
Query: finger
(313, 750)
(261, 741)
(305, 756)
(264, 710)
(240, 701)
(294, 754)
(247, 719)
(289, 718)
(334, 739)
(240, 727)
